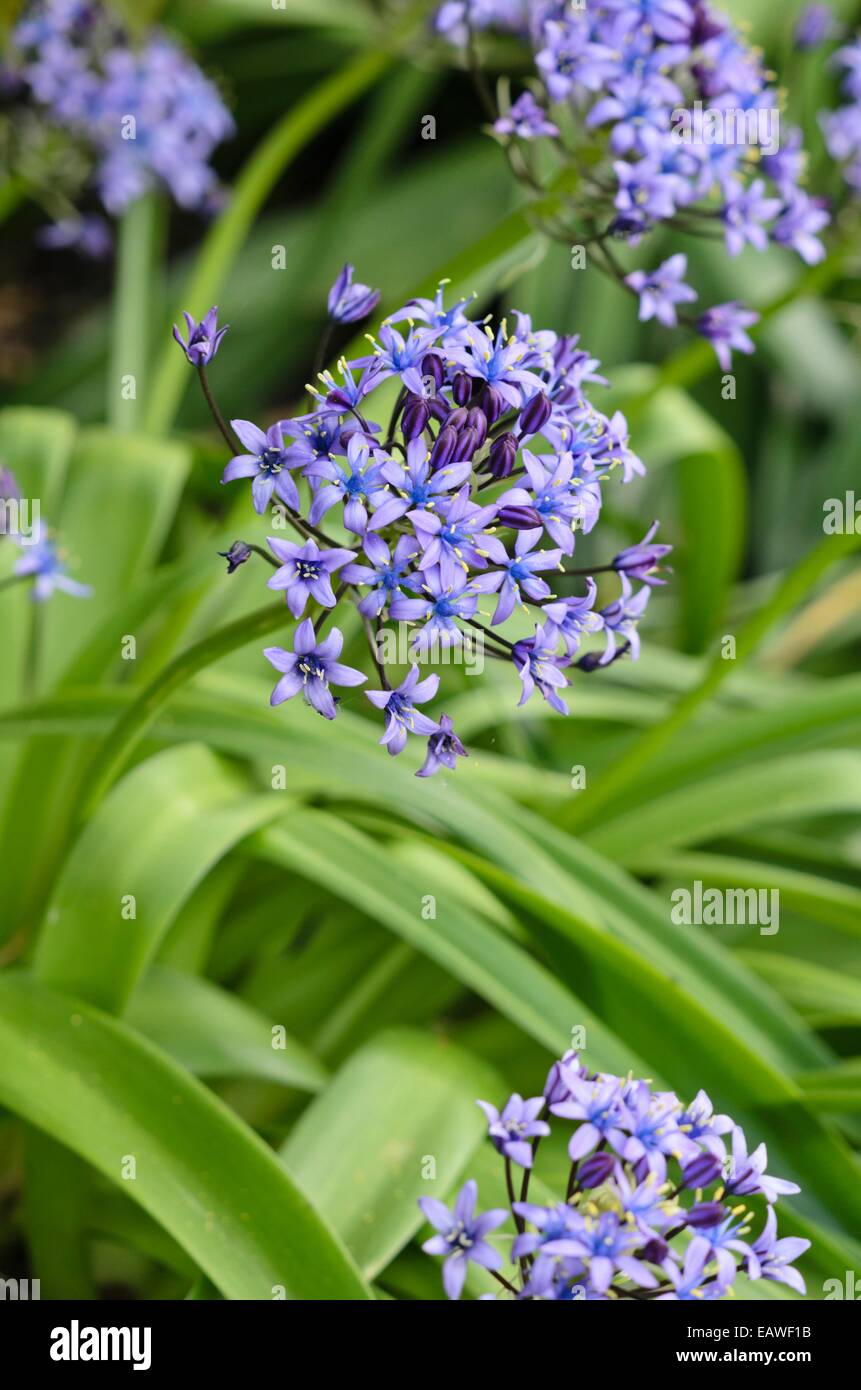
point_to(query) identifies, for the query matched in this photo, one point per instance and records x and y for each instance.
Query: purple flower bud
(555, 1089)
(519, 518)
(461, 388)
(414, 418)
(655, 1251)
(477, 420)
(492, 403)
(701, 1171)
(467, 443)
(642, 561)
(238, 553)
(204, 338)
(432, 367)
(458, 418)
(595, 1170)
(439, 408)
(444, 449)
(535, 414)
(502, 456)
(348, 303)
(705, 1214)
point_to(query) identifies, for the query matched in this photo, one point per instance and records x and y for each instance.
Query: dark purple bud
(519, 518)
(467, 443)
(432, 368)
(595, 1170)
(702, 1171)
(627, 224)
(461, 388)
(238, 553)
(477, 420)
(592, 660)
(655, 1251)
(414, 417)
(535, 414)
(458, 418)
(444, 449)
(705, 1214)
(492, 403)
(502, 456)
(439, 408)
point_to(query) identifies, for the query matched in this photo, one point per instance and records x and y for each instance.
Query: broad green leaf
(806, 784)
(135, 864)
(358, 870)
(398, 1122)
(211, 1033)
(93, 1085)
(826, 997)
(825, 900)
(835, 1089)
(140, 479)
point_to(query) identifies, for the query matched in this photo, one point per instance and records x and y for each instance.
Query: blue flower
(444, 749)
(358, 484)
(310, 668)
(440, 605)
(538, 666)
(399, 705)
(661, 290)
(511, 1129)
(461, 1236)
(266, 462)
(416, 484)
(306, 573)
(45, 565)
(386, 575)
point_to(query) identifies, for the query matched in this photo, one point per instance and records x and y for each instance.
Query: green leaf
(826, 997)
(835, 1089)
(355, 868)
(794, 587)
(825, 900)
(807, 784)
(398, 1122)
(96, 1087)
(135, 864)
(213, 1034)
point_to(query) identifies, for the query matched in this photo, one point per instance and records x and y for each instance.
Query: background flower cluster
(656, 1204)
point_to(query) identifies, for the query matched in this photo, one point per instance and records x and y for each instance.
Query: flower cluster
(842, 128)
(493, 461)
(146, 114)
(41, 560)
(656, 1206)
(667, 115)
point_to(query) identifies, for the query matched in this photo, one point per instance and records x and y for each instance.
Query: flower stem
(215, 412)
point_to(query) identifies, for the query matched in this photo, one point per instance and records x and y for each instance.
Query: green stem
(138, 245)
(794, 587)
(265, 167)
(132, 725)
